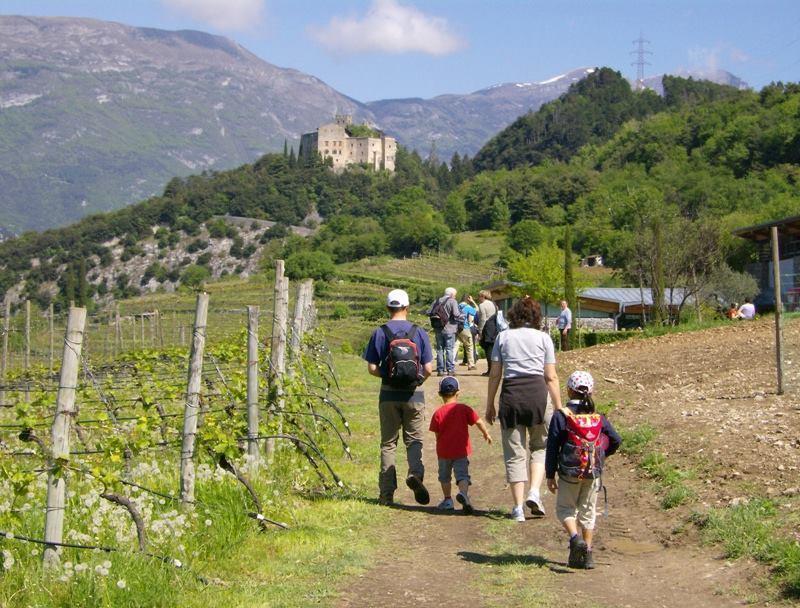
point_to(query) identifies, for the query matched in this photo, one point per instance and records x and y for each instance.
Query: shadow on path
(510, 559)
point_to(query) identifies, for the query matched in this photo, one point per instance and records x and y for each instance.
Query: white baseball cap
(580, 382)
(397, 298)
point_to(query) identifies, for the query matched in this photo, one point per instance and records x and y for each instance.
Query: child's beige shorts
(576, 498)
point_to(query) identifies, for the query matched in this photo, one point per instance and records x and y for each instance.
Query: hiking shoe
(589, 562)
(535, 504)
(420, 492)
(466, 505)
(577, 552)
(386, 499)
(518, 514)
(446, 505)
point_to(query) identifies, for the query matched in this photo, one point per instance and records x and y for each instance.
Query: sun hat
(581, 382)
(448, 386)
(397, 298)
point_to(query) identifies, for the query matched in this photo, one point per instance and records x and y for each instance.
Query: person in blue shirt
(465, 332)
(564, 324)
(400, 407)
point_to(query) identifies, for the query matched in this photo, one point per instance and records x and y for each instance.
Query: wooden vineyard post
(252, 383)
(153, 330)
(159, 329)
(302, 308)
(143, 337)
(776, 279)
(192, 408)
(117, 332)
(65, 409)
(50, 315)
(278, 349)
(27, 335)
(6, 329)
(27, 350)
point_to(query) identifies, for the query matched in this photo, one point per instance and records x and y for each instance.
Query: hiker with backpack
(524, 358)
(399, 353)
(487, 326)
(578, 442)
(446, 320)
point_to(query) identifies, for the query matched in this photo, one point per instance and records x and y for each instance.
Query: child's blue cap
(448, 386)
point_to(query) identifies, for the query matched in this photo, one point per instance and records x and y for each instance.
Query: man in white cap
(399, 353)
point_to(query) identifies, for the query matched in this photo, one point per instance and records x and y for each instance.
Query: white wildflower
(121, 584)
(81, 567)
(8, 560)
(208, 522)
(107, 564)
(177, 563)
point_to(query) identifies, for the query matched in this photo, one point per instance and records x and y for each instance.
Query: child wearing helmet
(578, 441)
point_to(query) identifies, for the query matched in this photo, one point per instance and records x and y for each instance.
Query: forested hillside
(591, 112)
(669, 186)
(631, 173)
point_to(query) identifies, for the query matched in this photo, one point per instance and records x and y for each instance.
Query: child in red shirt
(451, 424)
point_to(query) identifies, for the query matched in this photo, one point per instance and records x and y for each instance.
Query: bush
(339, 311)
(525, 236)
(310, 265)
(194, 275)
(197, 245)
(204, 259)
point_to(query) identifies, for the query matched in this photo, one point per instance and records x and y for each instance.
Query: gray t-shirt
(523, 352)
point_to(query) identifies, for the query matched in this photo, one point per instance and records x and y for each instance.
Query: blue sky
(376, 49)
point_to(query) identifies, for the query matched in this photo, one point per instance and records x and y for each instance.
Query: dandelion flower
(208, 522)
(106, 564)
(121, 584)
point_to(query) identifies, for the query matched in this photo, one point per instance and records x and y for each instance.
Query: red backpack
(584, 451)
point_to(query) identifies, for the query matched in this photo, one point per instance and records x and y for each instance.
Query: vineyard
(149, 459)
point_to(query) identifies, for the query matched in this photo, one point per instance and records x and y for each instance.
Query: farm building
(599, 307)
(789, 256)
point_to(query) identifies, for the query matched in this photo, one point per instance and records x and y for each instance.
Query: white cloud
(388, 27)
(222, 14)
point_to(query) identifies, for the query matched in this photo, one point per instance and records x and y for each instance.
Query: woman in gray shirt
(528, 372)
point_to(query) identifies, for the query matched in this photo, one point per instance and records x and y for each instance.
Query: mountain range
(95, 115)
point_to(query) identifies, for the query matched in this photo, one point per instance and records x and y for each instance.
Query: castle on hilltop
(346, 144)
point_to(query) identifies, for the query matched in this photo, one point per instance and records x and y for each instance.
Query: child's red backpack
(584, 451)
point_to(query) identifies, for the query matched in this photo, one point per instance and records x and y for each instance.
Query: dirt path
(434, 559)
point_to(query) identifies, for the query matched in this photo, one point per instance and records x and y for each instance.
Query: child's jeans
(459, 466)
(576, 498)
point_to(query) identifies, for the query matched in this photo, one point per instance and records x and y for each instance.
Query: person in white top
(746, 310)
(524, 359)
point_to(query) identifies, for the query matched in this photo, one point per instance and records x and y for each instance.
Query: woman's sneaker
(577, 552)
(518, 514)
(535, 504)
(465, 503)
(446, 505)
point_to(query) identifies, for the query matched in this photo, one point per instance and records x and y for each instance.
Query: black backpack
(438, 314)
(402, 357)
